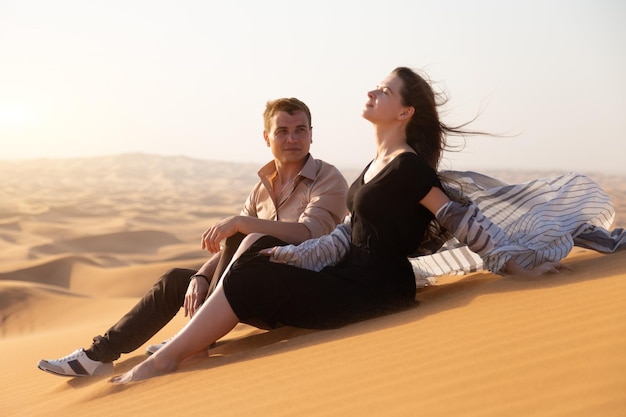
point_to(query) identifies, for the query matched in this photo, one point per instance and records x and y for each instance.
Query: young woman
(392, 205)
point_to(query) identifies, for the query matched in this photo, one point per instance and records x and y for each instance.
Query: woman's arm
(315, 254)
(467, 223)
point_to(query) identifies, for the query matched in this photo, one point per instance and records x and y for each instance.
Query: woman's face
(384, 103)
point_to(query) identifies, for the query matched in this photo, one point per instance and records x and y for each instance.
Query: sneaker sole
(50, 371)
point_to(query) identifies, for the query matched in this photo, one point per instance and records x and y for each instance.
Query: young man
(297, 198)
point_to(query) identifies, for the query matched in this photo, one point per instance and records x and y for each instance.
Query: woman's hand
(270, 252)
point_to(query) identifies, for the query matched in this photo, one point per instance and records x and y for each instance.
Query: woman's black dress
(375, 278)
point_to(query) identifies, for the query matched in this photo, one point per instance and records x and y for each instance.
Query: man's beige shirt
(317, 198)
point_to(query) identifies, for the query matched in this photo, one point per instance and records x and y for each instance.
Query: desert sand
(82, 239)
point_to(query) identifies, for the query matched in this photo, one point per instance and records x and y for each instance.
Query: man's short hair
(289, 105)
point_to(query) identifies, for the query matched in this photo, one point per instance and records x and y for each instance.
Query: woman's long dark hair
(427, 135)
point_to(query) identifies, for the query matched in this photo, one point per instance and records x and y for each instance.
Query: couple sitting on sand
(293, 257)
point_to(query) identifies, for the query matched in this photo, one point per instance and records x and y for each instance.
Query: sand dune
(145, 241)
(82, 239)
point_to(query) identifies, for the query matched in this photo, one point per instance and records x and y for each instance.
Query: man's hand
(212, 237)
(196, 294)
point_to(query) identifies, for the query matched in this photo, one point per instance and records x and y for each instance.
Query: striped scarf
(540, 221)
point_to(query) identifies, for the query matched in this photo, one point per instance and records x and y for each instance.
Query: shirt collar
(309, 170)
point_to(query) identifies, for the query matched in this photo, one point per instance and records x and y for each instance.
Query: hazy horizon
(82, 79)
(175, 164)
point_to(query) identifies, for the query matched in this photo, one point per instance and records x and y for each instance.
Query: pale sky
(87, 78)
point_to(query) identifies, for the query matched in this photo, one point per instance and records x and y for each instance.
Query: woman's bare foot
(146, 369)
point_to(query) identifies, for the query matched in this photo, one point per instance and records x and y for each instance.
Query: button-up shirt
(317, 197)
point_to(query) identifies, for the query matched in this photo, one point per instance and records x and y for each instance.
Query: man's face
(290, 136)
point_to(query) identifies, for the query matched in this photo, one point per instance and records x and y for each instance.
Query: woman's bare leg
(245, 244)
(212, 321)
(222, 270)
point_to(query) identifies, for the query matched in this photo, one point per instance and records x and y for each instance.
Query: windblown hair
(427, 135)
(288, 105)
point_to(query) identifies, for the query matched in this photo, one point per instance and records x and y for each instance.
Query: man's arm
(208, 268)
(290, 232)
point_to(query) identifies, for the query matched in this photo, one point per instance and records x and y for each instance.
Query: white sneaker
(76, 364)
